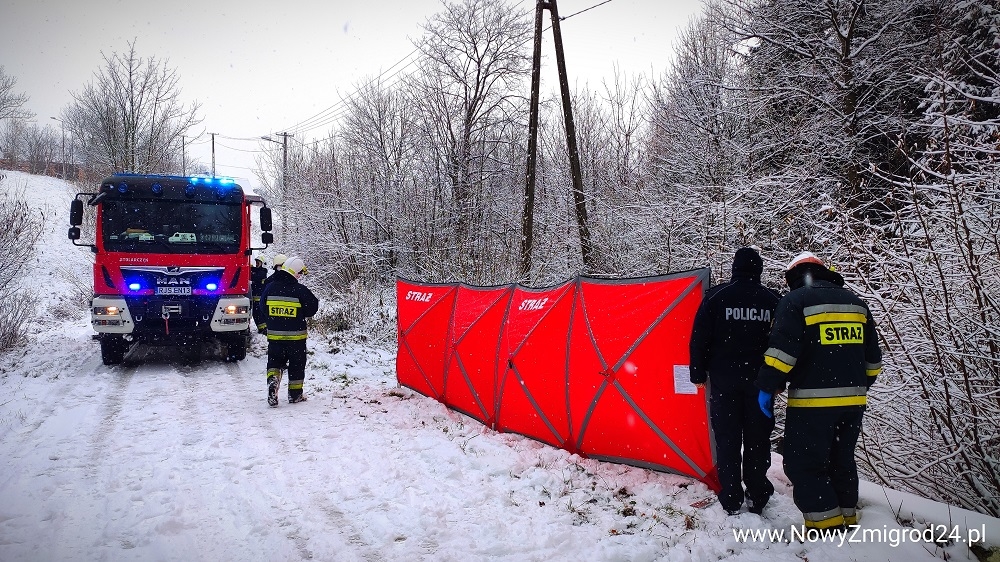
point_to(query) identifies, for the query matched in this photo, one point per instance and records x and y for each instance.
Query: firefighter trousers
(742, 447)
(291, 355)
(819, 462)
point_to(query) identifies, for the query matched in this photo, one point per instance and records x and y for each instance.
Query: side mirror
(76, 215)
(74, 232)
(265, 219)
(267, 238)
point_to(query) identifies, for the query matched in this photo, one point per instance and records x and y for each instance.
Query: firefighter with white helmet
(285, 304)
(278, 261)
(824, 348)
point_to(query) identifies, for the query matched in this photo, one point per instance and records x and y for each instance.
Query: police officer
(727, 348)
(257, 275)
(285, 304)
(824, 347)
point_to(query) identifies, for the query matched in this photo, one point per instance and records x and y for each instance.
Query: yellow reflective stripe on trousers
(824, 520)
(295, 385)
(850, 515)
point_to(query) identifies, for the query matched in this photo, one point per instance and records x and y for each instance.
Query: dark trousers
(282, 354)
(739, 425)
(819, 458)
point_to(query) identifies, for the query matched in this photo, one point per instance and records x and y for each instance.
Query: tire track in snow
(337, 520)
(114, 401)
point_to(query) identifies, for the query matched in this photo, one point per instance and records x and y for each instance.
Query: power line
(338, 109)
(258, 151)
(564, 18)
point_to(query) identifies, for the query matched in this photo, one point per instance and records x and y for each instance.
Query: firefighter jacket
(257, 276)
(823, 345)
(730, 332)
(285, 304)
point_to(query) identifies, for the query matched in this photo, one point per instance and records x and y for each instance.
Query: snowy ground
(169, 458)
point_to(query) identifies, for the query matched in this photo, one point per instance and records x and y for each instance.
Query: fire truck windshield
(171, 227)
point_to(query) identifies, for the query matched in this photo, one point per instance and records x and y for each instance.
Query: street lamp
(62, 125)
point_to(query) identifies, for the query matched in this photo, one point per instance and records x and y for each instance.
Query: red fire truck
(172, 261)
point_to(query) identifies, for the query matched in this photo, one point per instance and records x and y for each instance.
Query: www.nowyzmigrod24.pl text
(856, 534)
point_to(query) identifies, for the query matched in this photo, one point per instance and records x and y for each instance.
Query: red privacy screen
(597, 367)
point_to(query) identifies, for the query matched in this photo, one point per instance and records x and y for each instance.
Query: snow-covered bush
(17, 243)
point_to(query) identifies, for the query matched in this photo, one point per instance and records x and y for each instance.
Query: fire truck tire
(236, 348)
(113, 350)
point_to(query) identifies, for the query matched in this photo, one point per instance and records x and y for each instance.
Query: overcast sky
(259, 68)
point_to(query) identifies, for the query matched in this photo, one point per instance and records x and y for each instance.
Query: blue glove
(766, 401)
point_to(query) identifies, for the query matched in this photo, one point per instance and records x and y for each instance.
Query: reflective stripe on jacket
(823, 347)
(284, 306)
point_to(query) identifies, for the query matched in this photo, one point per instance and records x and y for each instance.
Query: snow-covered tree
(131, 117)
(938, 280)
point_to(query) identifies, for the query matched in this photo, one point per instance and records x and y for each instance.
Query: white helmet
(279, 260)
(804, 257)
(295, 266)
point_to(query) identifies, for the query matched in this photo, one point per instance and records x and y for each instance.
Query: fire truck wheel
(113, 350)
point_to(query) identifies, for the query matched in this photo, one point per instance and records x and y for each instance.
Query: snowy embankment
(166, 459)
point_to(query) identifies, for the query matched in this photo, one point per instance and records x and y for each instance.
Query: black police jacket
(823, 345)
(285, 304)
(730, 333)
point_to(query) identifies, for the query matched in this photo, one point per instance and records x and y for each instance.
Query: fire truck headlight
(233, 309)
(106, 310)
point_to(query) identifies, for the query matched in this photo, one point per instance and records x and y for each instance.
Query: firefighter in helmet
(285, 304)
(824, 348)
(257, 275)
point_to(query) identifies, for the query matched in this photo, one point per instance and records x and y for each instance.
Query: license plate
(173, 290)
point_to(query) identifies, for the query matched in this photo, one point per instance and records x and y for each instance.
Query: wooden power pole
(579, 200)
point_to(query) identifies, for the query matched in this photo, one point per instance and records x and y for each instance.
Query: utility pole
(284, 156)
(284, 160)
(528, 216)
(580, 202)
(63, 157)
(213, 154)
(284, 170)
(574, 154)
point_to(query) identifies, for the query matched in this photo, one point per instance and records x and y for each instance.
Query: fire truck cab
(172, 261)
